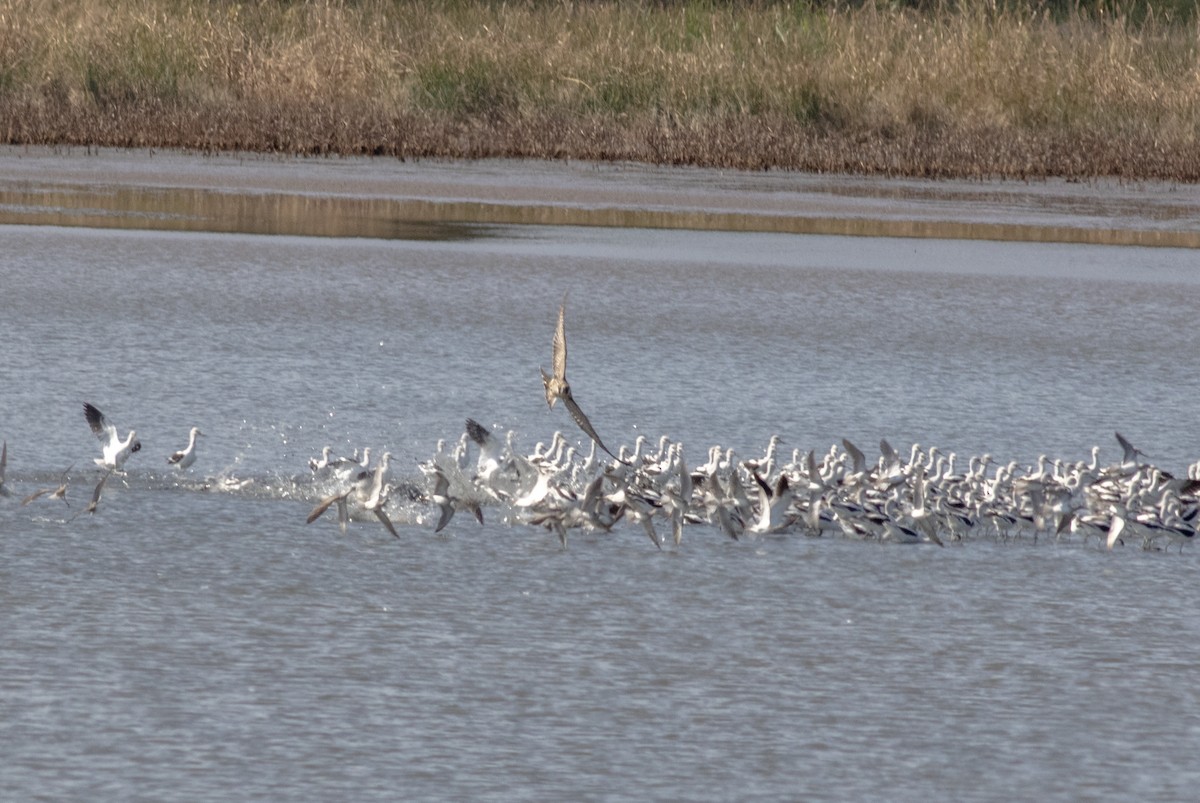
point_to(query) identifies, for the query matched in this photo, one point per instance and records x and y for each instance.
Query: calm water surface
(195, 645)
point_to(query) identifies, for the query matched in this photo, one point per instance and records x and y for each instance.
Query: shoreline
(945, 152)
(437, 199)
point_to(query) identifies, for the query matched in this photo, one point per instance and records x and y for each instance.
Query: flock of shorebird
(919, 498)
(114, 451)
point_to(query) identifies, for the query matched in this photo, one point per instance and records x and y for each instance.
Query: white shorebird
(858, 462)
(542, 486)
(920, 515)
(678, 501)
(495, 473)
(1117, 525)
(441, 498)
(557, 387)
(375, 498)
(766, 464)
(116, 451)
(317, 465)
(489, 451)
(891, 528)
(1130, 453)
(368, 489)
(347, 470)
(186, 456)
(341, 470)
(773, 516)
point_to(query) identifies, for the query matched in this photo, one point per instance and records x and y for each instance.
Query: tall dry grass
(962, 89)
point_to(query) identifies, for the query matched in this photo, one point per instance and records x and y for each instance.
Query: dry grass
(974, 91)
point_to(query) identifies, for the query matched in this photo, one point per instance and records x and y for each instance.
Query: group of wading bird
(114, 450)
(921, 498)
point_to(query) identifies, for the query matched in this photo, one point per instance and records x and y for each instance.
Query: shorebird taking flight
(557, 387)
(374, 498)
(116, 451)
(1130, 452)
(95, 503)
(327, 502)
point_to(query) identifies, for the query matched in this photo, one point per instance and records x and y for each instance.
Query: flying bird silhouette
(557, 387)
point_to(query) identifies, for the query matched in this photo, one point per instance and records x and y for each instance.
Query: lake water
(189, 642)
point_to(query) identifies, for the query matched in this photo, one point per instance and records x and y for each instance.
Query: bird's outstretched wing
(1114, 531)
(890, 458)
(324, 505)
(445, 513)
(585, 425)
(35, 495)
(857, 459)
(56, 493)
(648, 526)
(441, 498)
(477, 433)
(1131, 452)
(97, 421)
(379, 514)
(555, 383)
(560, 343)
(95, 503)
(96, 492)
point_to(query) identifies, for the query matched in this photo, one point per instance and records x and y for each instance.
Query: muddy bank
(761, 143)
(380, 197)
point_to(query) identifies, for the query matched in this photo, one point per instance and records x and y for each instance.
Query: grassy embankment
(1014, 91)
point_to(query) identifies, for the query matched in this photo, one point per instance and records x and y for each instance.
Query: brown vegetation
(985, 91)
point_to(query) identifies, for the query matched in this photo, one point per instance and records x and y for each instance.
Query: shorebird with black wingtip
(491, 467)
(773, 503)
(116, 451)
(447, 503)
(1130, 453)
(556, 385)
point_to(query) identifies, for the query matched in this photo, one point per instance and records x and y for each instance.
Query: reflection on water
(179, 209)
(385, 199)
(416, 219)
